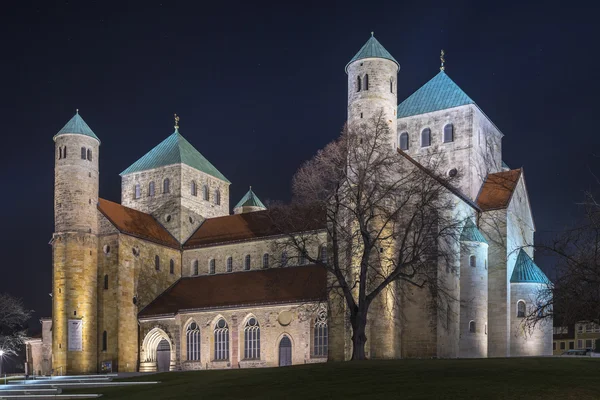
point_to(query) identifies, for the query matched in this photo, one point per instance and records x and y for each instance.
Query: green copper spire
(526, 271)
(372, 49)
(470, 233)
(77, 126)
(250, 200)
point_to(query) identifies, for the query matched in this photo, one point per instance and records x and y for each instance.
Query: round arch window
(168, 217)
(453, 172)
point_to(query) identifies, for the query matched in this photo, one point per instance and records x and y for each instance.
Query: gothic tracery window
(320, 335)
(192, 336)
(252, 340)
(221, 334)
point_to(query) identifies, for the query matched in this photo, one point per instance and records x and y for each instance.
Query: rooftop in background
(497, 190)
(78, 126)
(175, 149)
(372, 49)
(439, 93)
(136, 223)
(267, 286)
(526, 271)
(250, 199)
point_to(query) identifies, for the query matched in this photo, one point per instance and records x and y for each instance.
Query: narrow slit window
(366, 81)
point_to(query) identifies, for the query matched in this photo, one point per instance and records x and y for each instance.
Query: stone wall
(524, 342)
(299, 330)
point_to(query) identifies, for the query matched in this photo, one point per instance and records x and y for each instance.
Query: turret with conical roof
(372, 79)
(249, 203)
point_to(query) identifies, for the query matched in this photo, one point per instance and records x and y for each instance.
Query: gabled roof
(250, 199)
(372, 49)
(470, 233)
(440, 93)
(497, 190)
(78, 126)
(526, 271)
(136, 223)
(267, 286)
(249, 226)
(175, 149)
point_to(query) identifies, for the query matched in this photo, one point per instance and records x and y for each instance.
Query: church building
(167, 279)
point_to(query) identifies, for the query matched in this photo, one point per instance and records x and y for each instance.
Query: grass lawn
(511, 378)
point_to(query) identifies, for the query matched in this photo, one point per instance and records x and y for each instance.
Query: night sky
(260, 87)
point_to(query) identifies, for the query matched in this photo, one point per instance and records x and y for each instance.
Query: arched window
(323, 254)
(266, 260)
(105, 282)
(217, 197)
(192, 336)
(366, 81)
(205, 192)
(157, 263)
(403, 141)
(247, 263)
(60, 153)
(472, 326)
(472, 261)
(193, 189)
(252, 340)
(391, 85)
(151, 189)
(426, 137)
(284, 259)
(171, 267)
(104, 341)
(520, 309)
(89, 154)
(83, 153)
(221, 340)
(166, 185)
(138, 191)
(229, 264)
(320, 335)
(195, 267)
(65, 152)
(448, 133)
(211, 266)
(358, 84)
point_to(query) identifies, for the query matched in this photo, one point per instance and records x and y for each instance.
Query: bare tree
(13, 316)
(387, 219)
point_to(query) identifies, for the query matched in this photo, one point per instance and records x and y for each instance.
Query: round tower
(74, 304)
(473, 329)
(249, 203)
(372, 81)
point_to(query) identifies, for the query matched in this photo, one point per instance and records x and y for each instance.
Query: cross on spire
(176, 121)
(443, 60)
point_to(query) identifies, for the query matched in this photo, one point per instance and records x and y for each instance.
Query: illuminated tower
(74, 304)
(372, 80)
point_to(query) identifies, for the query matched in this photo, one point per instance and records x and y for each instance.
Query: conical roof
(175, 149)
(372, 49)
(526, 271)
(470, 233)
(439, 93)
(250, 199)
(77, 125)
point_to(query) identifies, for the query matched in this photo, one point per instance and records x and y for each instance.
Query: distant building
(581, 336)
(169, 280)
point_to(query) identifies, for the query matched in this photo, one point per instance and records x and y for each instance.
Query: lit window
(211, 266)
(247, 263)
(472, 261)
(166, 185)
(520, 309)
(426, 137)
(229, 264)
(403, 141)
(448, 133)
(138, 191)
(151, 189)
(193, 342)
(266, 260)
(252, 340)
(221, 340)
(472, 326)
(320, 335)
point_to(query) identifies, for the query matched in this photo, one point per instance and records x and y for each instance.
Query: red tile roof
(497, 190)
(136, 223)
(249, 226)
(268, 286)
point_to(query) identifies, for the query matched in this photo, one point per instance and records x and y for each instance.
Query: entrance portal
(285, 352)
(163, 356)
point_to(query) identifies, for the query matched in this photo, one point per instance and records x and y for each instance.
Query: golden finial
(77, 110)
(443, 60)
(372, 33)
(176, 121)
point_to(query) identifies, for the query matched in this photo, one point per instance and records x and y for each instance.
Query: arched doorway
(285, 352)
(163, 356)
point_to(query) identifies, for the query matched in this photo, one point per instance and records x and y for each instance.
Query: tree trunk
(359, 338)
